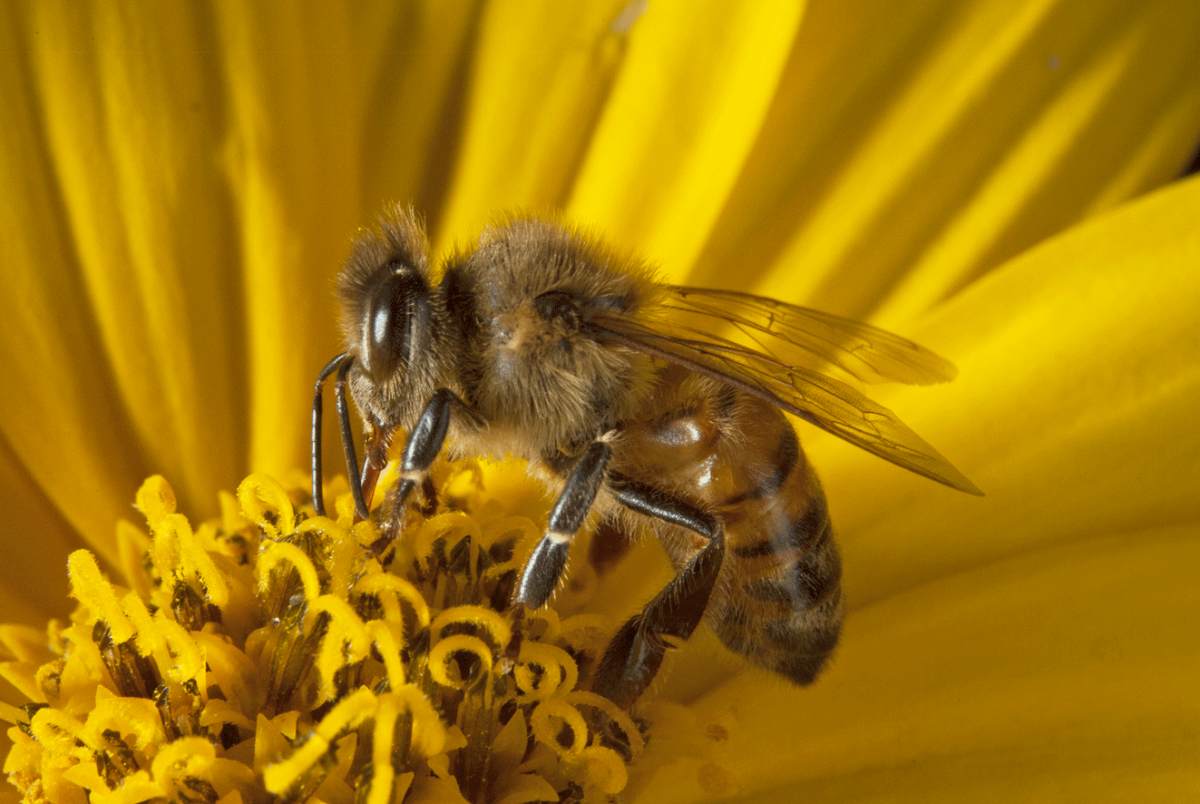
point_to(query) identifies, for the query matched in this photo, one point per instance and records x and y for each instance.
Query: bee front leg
(636, 652)
(317, 410)
(362, 505)
(424, 443)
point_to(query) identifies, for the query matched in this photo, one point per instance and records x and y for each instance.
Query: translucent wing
(794, 335)
(823, 401)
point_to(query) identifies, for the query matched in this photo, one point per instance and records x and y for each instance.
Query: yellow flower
(992, 179)
(273, 652)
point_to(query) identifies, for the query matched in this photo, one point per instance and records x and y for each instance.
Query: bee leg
(381, 437)
(429, 497)
(361, 509)
(545, 566)
(317, 410)
(636, 652)
(610, 544)
(424, 443)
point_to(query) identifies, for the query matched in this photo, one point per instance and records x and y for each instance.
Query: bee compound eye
(395, 322)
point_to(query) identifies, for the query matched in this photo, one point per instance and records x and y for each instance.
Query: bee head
(387, 305)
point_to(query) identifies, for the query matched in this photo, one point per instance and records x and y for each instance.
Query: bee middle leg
(545, 567)
(636, 652)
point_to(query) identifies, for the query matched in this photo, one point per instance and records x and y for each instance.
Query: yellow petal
(1074, 408)
(107, 164)
(298, 84)
(1079, 370)
(912, 148)
(181, 209)
(539, 77)
(1064, 674)
(684, 113)
(58, 376)
(36, 541)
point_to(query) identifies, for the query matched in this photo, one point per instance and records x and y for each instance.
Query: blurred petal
(912, 148)
(638, 138)
(33, 584)
(116, 141)
(539, 77)
(1080, 369)
(413, 58)
(1067, 674)
(183, 180)
(61, 387)
(183, 188)
(295, 119)
(678, 128)
(1074, 408)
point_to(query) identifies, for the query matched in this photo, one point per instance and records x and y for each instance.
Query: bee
(543, 343)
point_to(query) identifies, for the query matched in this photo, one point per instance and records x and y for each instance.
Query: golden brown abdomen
(778, 601)
(783, 606)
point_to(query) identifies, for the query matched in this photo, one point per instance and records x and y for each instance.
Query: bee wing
(794, 334)
(821, 400)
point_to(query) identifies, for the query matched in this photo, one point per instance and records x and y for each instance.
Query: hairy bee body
(536, 382)
(543, 343)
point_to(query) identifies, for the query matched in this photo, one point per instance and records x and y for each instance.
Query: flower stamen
(272, 653)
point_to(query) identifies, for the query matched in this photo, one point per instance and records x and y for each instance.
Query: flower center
(272, 652)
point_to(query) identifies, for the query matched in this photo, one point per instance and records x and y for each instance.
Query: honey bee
(548, 345)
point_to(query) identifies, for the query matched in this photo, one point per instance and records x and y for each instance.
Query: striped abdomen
(782, 608)
(778, 601)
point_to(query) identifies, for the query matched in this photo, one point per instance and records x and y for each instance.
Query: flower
(995, 181)
(271, 652)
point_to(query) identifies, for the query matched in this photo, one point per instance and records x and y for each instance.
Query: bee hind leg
(636, 652)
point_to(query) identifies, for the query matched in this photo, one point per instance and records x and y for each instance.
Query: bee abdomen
(783, 611)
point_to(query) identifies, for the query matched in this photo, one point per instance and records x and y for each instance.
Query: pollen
(272, 654)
